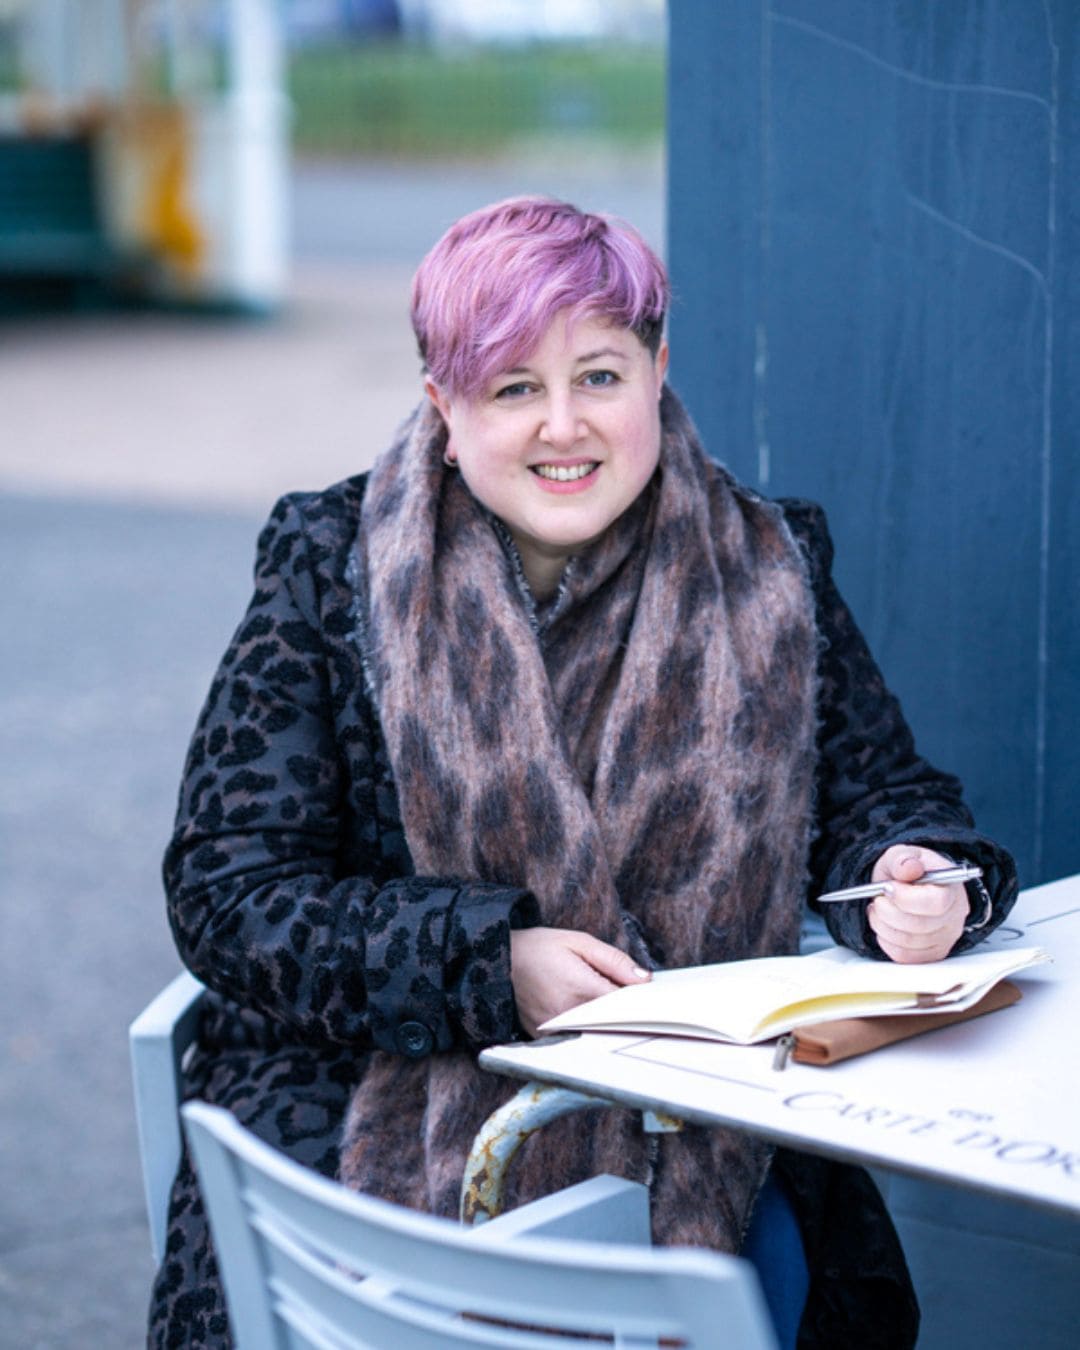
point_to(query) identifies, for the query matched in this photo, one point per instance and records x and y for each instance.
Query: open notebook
(748, 1001)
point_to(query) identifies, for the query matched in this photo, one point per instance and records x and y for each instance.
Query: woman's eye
(509, 391)
(600, 379)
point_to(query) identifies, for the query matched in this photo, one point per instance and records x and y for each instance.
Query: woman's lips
(566, 477)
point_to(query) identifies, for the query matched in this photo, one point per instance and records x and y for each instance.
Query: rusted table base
(493, 1150)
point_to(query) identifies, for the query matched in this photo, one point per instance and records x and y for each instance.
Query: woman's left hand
(916, 923)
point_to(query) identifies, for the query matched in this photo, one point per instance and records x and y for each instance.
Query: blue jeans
(774, 1247)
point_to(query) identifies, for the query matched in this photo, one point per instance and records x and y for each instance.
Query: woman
(545, 702)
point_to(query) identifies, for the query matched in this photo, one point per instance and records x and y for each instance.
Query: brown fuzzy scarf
(639, 755)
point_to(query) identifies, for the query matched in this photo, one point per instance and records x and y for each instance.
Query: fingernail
(887, 887)
(641, 972)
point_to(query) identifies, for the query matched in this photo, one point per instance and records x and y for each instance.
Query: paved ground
(93, 722)
(137, 456)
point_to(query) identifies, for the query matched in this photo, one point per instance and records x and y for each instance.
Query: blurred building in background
(144, 144)
(142, 150)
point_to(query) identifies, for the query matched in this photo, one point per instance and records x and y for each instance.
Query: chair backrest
(159, 1038)
(307, 1263)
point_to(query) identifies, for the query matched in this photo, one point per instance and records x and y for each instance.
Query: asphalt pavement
(138, 456)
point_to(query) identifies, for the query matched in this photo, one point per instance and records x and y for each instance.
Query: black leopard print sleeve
(873, 788)
(288, 884)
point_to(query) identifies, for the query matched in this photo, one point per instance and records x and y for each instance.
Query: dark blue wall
(874, 238)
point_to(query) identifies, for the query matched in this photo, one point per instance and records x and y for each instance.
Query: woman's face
(561, 445)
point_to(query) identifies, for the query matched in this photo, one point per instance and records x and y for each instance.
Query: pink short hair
(485, 295)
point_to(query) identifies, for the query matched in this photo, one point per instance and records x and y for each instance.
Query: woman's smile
(563, 477)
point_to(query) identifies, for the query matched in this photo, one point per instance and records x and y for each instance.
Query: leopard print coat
(292, 894)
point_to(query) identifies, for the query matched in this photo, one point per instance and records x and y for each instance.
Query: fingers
(607, 960)
(912, 925)
(553, 969)
(915, 923)
(907, 862)
(906, 938)
(919, 908)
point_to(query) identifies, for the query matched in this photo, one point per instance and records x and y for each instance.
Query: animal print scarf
(639, 754)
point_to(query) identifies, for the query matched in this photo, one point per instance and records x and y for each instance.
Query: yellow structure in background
(179, 107)
(158, 143)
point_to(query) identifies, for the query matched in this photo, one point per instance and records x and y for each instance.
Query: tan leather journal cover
(829, 1042)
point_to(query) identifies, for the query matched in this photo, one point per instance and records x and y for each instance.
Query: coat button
(414, 1040)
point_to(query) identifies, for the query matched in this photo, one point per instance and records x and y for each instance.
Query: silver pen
(944, 876)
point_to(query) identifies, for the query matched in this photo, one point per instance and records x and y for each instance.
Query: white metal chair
(307, 1263)
(159, 1038)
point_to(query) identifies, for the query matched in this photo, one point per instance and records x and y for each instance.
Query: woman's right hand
(553, 969)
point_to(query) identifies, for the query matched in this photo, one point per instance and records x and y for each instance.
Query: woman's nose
(561, 425)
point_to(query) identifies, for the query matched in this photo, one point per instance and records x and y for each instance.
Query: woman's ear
(660, 364)
(442, 403)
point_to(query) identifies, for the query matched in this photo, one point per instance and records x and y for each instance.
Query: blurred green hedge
(401, 100)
